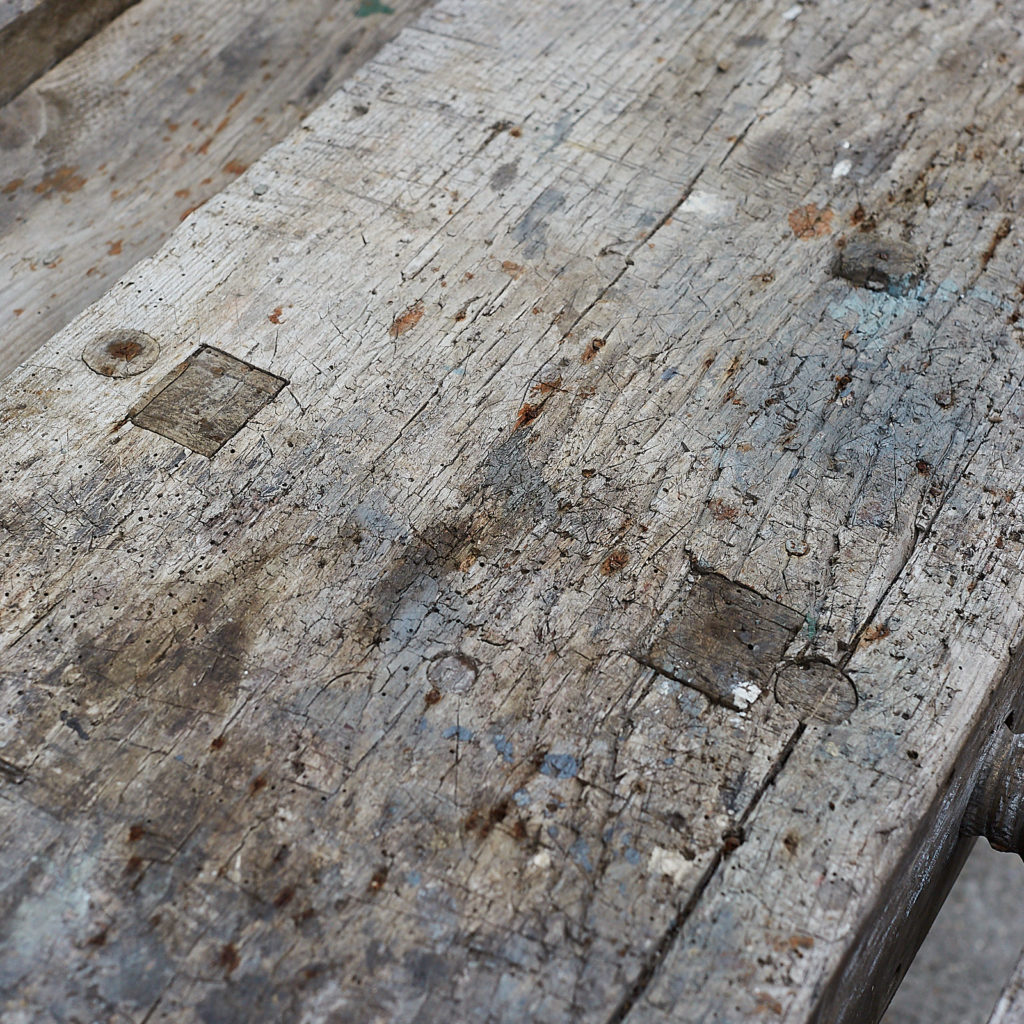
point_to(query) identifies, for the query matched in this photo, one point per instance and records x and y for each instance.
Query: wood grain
(1010, 1008)
(348, 721)
(35, 34)
(103, 157)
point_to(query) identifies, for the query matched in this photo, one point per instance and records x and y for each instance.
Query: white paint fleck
(744, 693)
(541, 860)
(706, 205)
(793, 13)
(667, 687)
(670, 863)
(842, 169)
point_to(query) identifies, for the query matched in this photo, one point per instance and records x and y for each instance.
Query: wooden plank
(348, 720)
(35, 34)
(1010, 1008)
(194, 92)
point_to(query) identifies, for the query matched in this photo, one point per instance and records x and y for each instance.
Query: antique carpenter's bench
(509, 511)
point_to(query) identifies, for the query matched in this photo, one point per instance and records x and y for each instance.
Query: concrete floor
(972, 947)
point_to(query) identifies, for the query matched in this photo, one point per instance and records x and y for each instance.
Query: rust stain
(284, 897)
(181, 193)
(205, 147)
(528, 412)
(380, 876)
(432, 696)
(18, 312)
(592, 348)
(615, 561)
(545, 387)
(406, 321)
(482, 820)
(275, 317)
(12, 186)
(723, 512)
(234, 103)
(217, 743)
(514, 270)
(515, 131)
(228, 958)
(859, 218)
(1001, 232)
(810, 222)
(235, 167)
(878, 632)
(114, 248)
(135, 833)
(64, 179)
(766, 1002)
(191, 209)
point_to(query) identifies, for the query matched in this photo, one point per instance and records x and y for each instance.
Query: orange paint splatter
(614, 562)
(876, 632)
(810, 222)
(275, 317)
(528, 412)
(64, 179)
(407, 320)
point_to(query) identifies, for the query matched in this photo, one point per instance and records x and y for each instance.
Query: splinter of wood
(996, 807)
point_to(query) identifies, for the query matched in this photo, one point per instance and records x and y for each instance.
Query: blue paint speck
(553, 831)
(560, 766)
(580, 853)
(504, 747)
(669, 761)
(632, 855)
(458, 733)
(521, 797)
(413, 878)
(670, 373)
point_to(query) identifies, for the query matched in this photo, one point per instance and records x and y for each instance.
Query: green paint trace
(368, 7)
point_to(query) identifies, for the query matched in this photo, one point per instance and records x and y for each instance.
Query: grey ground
(971, 949)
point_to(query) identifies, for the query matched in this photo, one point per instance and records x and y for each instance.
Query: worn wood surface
(1010, 1008)
(102, 158)
(35, 34)
(413, 701)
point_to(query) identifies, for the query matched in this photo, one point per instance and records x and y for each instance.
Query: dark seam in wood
(661, 951)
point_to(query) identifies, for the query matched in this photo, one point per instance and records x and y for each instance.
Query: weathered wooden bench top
(543, 543)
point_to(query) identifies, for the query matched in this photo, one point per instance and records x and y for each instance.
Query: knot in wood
(996, 807)
(121, 353)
